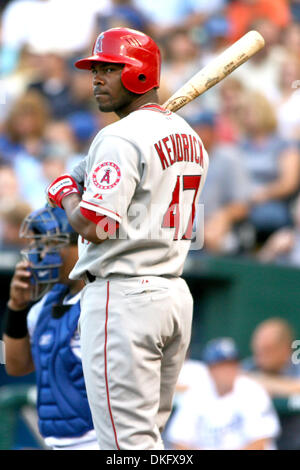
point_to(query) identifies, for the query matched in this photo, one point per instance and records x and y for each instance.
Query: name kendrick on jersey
(179, 148)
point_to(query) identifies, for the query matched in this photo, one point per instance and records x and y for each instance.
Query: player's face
(109, 91)
(67, 256)
(224, 375)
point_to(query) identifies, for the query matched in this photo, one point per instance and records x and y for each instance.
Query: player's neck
(140, 100)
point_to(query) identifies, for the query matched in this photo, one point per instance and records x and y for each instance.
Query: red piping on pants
(105, 365)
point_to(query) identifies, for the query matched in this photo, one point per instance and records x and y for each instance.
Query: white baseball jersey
(206, 420)
(145, 172)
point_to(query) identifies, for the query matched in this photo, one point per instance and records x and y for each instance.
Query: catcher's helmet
(137, 51)
(49, 230)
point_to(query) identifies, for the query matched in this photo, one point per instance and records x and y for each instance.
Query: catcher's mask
(49, 231)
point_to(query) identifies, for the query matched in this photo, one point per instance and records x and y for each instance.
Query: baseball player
(44, 337)
(143, 177)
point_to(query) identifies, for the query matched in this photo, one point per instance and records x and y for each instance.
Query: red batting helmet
(137, 51)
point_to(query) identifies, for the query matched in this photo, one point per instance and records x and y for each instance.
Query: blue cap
(219, 350)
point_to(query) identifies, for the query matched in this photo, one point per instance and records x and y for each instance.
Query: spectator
(35, 175)
(81, 91)
(212, 39)
(12, 214)
(60, 132)
(54, 160)
(215, 32)
(273, 166)
(72, 136)
(24, 146)
(242, 13)
(182, 61)
(262, 72)
(226, 190)
(65, 90)
(54, 82)
(15, 84)
(271, 365)
(295, 9)
(283, 246)
(9, 184)
(168, 15)
(287, 106)
(125, 13)
(228, 126)
(13, 208)
(271, 346)
(291, 39)
(24, 127)
(228, 410)
(192, 373)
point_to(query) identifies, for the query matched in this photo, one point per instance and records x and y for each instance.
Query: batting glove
(60, 188)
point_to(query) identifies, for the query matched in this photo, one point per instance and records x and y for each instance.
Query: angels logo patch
(106, 175)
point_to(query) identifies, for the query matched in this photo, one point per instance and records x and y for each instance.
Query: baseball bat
(210, 75)
(231, 58)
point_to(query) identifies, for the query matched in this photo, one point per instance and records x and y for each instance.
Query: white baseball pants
(134, 336)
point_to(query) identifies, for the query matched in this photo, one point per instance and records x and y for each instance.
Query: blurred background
(248, 270)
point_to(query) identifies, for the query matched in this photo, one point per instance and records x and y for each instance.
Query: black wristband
(15, 322)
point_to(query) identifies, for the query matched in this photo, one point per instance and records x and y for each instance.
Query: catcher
(43, 336)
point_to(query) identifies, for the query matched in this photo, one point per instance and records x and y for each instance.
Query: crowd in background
(250, 123)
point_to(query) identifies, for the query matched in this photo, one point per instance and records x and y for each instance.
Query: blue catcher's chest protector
(63, 408)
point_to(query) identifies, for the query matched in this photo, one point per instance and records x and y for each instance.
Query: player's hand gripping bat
(234, 56)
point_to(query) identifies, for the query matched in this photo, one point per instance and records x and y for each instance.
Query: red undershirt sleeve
(108, 224)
